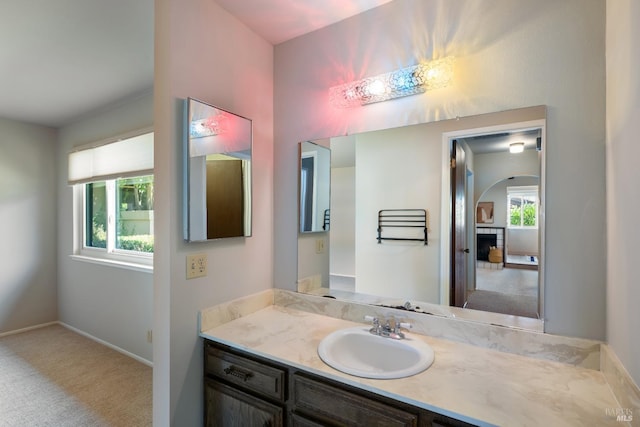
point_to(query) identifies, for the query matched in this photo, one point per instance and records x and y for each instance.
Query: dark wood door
(459, 250)
(228, 407)
(225, 199)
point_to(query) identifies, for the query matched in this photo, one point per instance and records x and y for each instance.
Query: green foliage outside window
(134, 194)
(525, 217)
(141, 243)
(522, 212)
(133, 233)
(97, 211)
(529, 215)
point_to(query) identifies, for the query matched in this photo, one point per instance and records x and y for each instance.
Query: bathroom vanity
(261, 360)
(244, 389)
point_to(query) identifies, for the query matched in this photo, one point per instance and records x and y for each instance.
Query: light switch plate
(196, 265)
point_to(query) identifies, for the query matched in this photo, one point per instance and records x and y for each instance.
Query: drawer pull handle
(239, 373)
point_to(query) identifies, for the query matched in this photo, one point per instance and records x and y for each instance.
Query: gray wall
(109, 303)
(554, 56)
(204, 52)
(27, 225)
(623, 175)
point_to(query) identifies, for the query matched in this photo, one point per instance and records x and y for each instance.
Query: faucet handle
(399, 324)
(376, 329)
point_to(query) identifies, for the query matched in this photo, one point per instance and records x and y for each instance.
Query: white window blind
(125, 158)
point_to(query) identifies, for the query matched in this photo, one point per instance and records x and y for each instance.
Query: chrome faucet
(386, 330)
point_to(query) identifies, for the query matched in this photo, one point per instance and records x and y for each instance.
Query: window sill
(114, 263)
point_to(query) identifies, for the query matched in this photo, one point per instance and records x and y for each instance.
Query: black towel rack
(402, 218)
(327, 216)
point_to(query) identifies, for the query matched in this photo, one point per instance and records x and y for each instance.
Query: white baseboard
(105, 343)
(29, 328)
(625, 390)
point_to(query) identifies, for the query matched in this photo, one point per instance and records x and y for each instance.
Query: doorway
(509, 281)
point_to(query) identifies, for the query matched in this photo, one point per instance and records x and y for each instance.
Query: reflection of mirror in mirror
(408, 168)
(218, 173)
(315, 181)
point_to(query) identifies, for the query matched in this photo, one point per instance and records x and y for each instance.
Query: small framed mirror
(314, 188)
(217, 173)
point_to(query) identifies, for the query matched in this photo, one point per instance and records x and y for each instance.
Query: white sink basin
(357, 352)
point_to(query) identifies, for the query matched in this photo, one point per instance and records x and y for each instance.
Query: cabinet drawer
(245, 373)
(334, 406)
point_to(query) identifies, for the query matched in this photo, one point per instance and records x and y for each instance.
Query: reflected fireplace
(485, 238)
(484, 242)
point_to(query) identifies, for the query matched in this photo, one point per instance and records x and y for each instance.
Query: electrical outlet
(149, 336)
(196, 265)
(319, 246)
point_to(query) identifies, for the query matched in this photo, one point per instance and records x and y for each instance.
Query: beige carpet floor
(498, 302)
(508, 281)
(52, 376)
(507, 291)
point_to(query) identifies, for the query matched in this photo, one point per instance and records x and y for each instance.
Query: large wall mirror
(485, 218)
(217, 173)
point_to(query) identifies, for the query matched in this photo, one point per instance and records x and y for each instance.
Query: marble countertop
(478, 385)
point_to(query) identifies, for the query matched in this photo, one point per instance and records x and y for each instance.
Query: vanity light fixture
(403, 82)
(516, 147)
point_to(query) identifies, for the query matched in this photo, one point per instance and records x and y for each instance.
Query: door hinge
(453, 163)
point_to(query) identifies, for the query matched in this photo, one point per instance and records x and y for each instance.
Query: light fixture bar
(403, 82)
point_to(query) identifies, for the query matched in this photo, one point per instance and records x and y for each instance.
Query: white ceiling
(499, 142)
(62, 59)
(281, 20)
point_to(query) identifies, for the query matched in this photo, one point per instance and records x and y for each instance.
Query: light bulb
(516, 147)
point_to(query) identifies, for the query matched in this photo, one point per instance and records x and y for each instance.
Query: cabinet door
(297, 420)
(228, 407)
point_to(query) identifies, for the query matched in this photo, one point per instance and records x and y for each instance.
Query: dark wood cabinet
(227, 406)
(242, 389)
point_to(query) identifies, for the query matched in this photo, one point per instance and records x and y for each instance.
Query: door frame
(446, 209)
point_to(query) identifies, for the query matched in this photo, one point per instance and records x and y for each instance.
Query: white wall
(109, 303)
(498, 195)
(553, 56)
(623, 175)
(343, 221)
(403, 174)
(519, 241)
(27, 225)
(492, 168)
(203, 52)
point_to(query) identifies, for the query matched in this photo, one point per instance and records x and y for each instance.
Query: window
(113, 197)
(119, 214)
(522, 203)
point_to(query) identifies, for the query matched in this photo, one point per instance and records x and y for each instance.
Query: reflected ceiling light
(403, 82)
(516, 147)
(209, 126)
